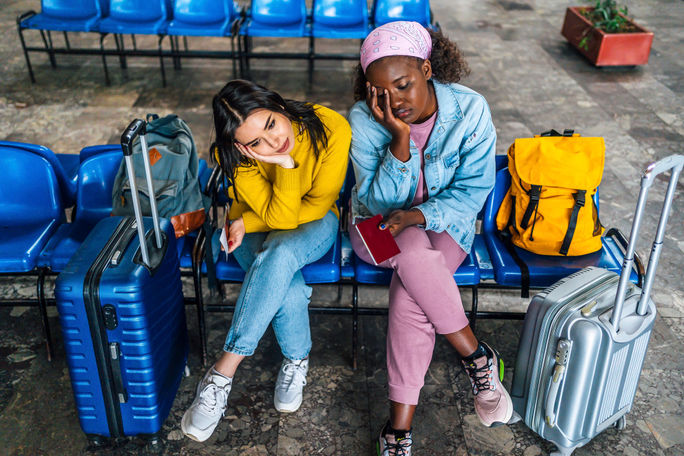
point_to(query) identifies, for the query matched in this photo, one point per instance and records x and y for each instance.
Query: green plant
(608, 16)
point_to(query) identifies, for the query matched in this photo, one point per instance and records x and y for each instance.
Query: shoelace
(210, 397)
(479, 382)
(401, 447)
(292, 371)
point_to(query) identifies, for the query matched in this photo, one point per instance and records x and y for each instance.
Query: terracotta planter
(603, 48)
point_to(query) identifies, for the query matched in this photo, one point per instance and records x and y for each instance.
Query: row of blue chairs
(490, 264)
(35, 238)
(336, 19)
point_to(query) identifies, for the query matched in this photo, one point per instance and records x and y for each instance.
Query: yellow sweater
(274, 198)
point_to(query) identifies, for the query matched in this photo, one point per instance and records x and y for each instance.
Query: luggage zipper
(98, 331)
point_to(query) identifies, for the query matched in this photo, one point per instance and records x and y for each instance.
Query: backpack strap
(534, 192)
(579, 203)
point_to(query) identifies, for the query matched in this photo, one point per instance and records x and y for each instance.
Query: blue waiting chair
(214, 18)
(31, 210)
(385, 11)
(544, 270)
(339, 19)
(479, 244)
(93, 203)
(274, 19)
(65, 167)
(62, 16)
(134, 17)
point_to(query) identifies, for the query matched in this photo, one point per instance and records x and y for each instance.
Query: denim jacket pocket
(452, 160)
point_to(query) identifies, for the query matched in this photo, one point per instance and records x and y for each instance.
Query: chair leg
(177, 60)
(66, 41)
(247, 50)
(232, 54)
(473, 309)
(104, 59)
(161, 60)
(26, 55)
(197, 255)
(121, 49)
(355, 325)
(53, 60)
(51, 56)
(311, 58)
(43, 314)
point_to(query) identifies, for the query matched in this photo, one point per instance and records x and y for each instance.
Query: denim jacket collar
(448, 107)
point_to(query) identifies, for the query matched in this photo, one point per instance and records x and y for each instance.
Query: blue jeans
(274, 290)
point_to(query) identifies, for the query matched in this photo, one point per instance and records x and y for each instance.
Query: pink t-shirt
(419, 134)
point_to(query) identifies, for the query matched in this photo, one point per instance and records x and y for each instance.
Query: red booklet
(380, 243)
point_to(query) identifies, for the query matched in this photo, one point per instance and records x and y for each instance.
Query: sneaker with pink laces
(493, 405)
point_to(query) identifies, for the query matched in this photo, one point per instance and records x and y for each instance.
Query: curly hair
(447, 60)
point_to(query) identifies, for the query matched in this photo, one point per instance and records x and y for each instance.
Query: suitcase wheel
(186, 371)
(97, 441)
(621, 423)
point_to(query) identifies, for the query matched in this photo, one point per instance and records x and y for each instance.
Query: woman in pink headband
(423, 153)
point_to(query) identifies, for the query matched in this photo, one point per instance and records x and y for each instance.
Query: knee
(276, 252)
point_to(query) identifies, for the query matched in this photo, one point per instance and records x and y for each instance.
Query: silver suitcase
(584, 341)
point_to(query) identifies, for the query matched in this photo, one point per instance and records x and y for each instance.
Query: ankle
(478, 353)
(223, 373)
(398, 431)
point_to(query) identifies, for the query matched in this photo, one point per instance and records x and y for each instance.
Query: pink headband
(396, 38)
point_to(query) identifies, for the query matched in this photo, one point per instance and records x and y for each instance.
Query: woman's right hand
(236, 232)
(383, 112)
(399, 129)
(282, 160)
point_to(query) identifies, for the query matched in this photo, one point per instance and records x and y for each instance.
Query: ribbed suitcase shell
(602, 367)
(129, 392)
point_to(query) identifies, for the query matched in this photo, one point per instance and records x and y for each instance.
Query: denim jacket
(459, 164)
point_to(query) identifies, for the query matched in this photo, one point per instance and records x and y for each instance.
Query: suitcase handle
(138, 127)
(674, 163)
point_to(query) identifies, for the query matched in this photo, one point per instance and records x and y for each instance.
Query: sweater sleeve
(275, 204)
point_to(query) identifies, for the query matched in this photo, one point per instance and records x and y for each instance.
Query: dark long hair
(448, 64)
(237, 100)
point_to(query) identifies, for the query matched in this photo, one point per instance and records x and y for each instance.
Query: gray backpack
(174, 165)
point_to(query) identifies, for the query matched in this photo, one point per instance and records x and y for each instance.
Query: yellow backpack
(549, 208)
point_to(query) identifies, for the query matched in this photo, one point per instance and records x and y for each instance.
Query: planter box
(606, 48)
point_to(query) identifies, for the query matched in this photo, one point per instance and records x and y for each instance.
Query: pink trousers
(423, 300)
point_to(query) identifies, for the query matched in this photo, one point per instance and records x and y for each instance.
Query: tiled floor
(533, 81)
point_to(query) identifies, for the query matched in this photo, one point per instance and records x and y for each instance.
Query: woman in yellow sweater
(286, 161)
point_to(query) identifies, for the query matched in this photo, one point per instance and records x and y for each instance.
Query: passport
(379, 243)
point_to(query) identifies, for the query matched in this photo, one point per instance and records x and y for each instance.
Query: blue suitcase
(122, 315)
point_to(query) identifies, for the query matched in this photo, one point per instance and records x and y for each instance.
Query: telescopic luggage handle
(138, 128)
(674, 163)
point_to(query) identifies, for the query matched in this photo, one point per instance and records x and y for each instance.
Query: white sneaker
(289, 386)
(200, 420)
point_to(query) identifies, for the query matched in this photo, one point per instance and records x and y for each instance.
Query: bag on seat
(175, 170)
(549, 208)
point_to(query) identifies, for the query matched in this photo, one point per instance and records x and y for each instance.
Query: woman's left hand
(282, 160)
(397, 220)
